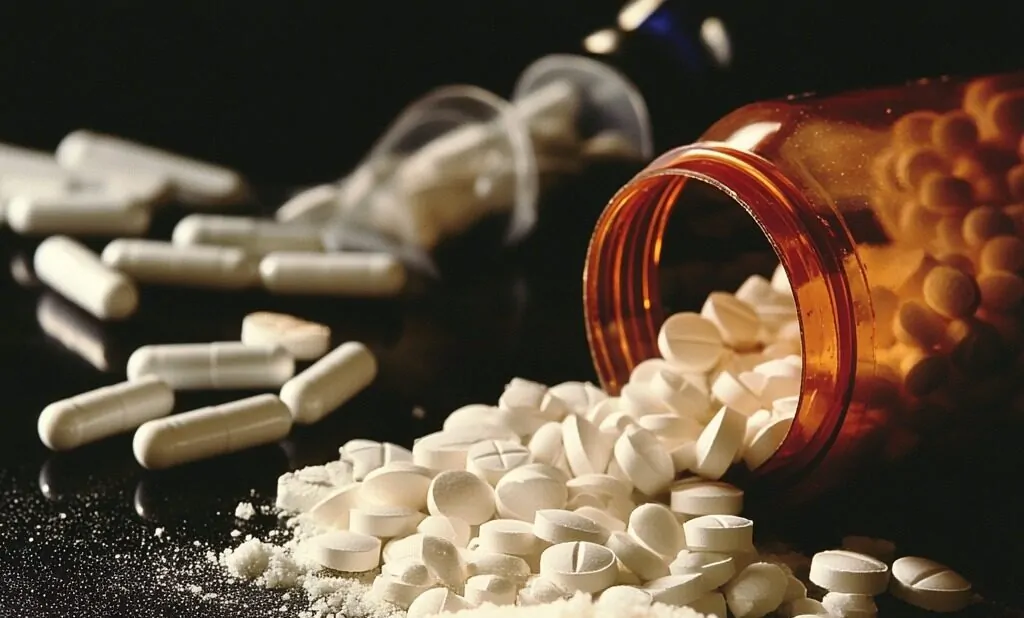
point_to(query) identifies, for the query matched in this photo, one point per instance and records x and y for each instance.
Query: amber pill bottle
(898, 215)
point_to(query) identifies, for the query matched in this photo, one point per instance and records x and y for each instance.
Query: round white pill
(600, 484)
(383, 521)
(717, 568)
(615, 423)
(766, 441)
(346, 551)
(695, 497)
(462, 494)
(512, 568)
(447, 450)
(333, 510)
(639, 400)
(603, 517)
(582, 566)
(602, 409)
(929, 585)
(756, 591)
(508, 536)
(522, 394)
(539, 590)
(639, 559)
(441, 557)
(492, 459)
(579, 396)
(520, 422)
(736, 320)
(368, 455)
(452, 528)
(561, 526)
(719, 533)
(521, 493)
(625, 598)
(690, 342)
(490, 589)
(803, 607)
(731, 391)
(436, 601)
(712, 605)
(838, 570)
(718, 443)
(587, 450)
(400, 483)
(657, 528)
(671, 429)
(843, 605)
(677, 589)
(644, 460)
(684, 457)
(546, 445)
(388, 588)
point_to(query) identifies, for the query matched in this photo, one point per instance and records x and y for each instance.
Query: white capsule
(217, 365)
(77, 274)
(154, 261)
(207, 432)
(309, 204)
(194, 181)
(330, 382)
(80, 214)
(334, 274)
(104, 412)
(255, 236)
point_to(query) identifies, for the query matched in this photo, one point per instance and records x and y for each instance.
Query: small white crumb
(159, 532)
(245, 510)
(236, 533)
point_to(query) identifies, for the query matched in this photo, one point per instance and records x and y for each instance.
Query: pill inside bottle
(717, 259)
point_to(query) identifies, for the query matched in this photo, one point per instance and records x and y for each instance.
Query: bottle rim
(620, 280)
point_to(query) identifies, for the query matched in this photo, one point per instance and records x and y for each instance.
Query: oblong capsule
(77, 274)
(255, 236)
(217, 365)
(158, 262)
(328, 383)
(194, 181)
(82, 214)
(207, 432)
(332, 274)
(104, 412)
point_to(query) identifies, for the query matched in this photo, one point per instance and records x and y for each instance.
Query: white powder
(245, 510)
(579, 606)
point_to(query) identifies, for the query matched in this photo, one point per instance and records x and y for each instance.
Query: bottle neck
(622, 296)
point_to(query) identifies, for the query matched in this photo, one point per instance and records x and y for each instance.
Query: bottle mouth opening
(701, 220)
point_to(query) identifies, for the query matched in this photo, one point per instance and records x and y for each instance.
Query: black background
(295, 93)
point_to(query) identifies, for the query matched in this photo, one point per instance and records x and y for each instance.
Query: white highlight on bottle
(76, 273)
(329, 382)
(211, 431)
(158, 262)
(332, 274)
(194, 181)
(103, 412)
(218, 365)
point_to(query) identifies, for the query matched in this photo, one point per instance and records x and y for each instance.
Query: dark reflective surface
(90, 533)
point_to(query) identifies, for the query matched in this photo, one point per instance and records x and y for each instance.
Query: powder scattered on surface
(245, 510)
(579, 606)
